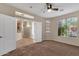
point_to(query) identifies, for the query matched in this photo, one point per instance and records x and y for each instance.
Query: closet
(7, 33)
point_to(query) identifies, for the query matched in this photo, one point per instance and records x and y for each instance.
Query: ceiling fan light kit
(49, 10)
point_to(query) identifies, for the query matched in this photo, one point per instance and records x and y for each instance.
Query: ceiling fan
(50, 8)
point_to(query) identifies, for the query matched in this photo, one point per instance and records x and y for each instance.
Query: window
(68, 27)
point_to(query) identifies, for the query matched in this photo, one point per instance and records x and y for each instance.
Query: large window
(68, 27)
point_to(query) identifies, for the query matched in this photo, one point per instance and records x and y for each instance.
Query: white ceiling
(40, 8)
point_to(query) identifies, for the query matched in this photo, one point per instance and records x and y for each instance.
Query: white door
(1, 35)
(7, 34)
(37, 31)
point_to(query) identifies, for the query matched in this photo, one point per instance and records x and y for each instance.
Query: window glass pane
(68, 27)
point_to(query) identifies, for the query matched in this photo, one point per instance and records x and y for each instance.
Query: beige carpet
(46, 48)
(24, 42)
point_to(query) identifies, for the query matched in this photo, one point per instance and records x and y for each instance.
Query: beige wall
(8, 10)
(4, 9)
(54, 30)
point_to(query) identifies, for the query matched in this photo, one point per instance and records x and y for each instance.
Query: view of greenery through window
(67, 27)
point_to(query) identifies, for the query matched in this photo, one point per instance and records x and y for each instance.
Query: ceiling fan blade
(55, 9)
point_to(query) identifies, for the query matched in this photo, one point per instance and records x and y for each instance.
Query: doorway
(28, 32)
(27, 28)
(23, 32)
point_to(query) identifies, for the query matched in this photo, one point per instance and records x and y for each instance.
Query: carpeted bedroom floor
(24, 42)
(46, 48)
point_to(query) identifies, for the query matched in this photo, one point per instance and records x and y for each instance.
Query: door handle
(0, 36)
